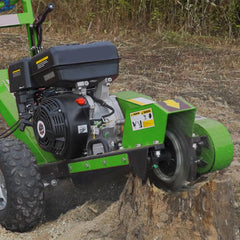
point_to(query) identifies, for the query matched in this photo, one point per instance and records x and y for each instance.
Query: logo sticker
(41, 129)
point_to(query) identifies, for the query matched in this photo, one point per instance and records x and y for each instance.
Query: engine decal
(42, 62)
(82, 128)
(41, 129)
(49, 76)
(16, 71)
(141, 101)
(142, 119)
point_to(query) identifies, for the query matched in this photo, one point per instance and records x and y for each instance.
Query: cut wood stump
(202, 212)
(205, 211)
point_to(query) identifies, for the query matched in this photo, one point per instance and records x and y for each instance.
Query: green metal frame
(181, 116)
(117, 160)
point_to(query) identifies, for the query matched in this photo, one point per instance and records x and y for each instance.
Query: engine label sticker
(82, 128)
(42, 62)
(49, 76)
(142, 119)
(16, 73)
(141, 101)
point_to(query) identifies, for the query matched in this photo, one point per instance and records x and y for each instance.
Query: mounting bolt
(124, 159)
(157, 154)
(156, 142)
(54, 182)
(108, 80)
(138, 145)
(86, 165)
(104, 162)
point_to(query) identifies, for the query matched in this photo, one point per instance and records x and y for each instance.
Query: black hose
(10, 130)
(104, 104)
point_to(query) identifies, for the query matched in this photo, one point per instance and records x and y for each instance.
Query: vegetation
(202, 17)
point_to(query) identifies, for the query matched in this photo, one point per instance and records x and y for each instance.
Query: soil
(204, 72)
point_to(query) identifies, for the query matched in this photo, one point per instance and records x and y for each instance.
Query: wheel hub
(170, 160)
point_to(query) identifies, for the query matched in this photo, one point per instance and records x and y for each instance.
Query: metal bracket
(202, 141)
(201, 163)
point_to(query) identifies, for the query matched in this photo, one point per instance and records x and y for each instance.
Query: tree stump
(144, 212)
(203, 212)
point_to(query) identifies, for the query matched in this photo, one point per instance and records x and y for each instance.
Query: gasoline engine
(63, 93)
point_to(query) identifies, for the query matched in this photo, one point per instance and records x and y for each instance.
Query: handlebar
(37, 25)
(41, 18)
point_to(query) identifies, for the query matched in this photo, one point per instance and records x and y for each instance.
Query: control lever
(37, 25)
(41, 18)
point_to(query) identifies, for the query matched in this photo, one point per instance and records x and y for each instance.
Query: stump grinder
(57, 105)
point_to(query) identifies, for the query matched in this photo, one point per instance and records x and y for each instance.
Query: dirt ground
(204, 72)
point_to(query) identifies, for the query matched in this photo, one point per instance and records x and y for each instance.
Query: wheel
(21, 188)
(171, 169)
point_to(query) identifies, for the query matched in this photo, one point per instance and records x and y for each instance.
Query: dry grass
(215, 18)
(176, 64)
(166, 70)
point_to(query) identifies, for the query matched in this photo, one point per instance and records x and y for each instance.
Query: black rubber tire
(24, 188)
(174, 166)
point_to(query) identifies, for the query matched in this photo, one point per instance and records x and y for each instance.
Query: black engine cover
(64, 65)
(61, 125)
